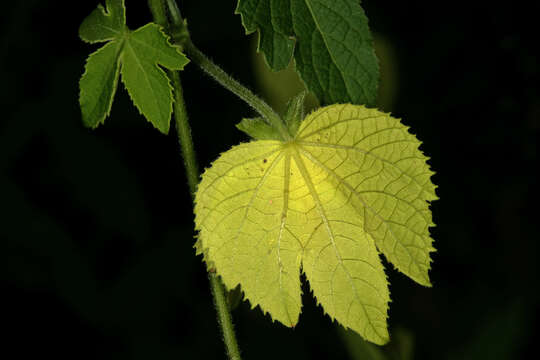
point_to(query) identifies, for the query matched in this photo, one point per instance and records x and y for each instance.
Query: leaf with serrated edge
(147, 84)
(96, 105)
(330, 40)
(351, 183)
(137, 54)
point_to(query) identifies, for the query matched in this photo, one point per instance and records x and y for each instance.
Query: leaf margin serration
(381, 339)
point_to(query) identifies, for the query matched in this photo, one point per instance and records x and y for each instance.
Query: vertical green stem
(224, 317)
(158, 12)
(176, 17)
(179, 108)
(188, 153)
(184, 134)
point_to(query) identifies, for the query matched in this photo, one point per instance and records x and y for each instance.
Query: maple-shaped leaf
(352, 183)
(134, 54)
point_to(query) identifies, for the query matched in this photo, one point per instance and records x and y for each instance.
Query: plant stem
(234, 86)
(181, 36)
(190, 163)
(224, 317)
(158, 12)
(176, 17)
(184, 134)
(180, 113)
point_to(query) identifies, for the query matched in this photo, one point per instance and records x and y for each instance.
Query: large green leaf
(351, 183)
(330, 40)
(134, 54)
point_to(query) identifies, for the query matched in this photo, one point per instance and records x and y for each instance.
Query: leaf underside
(352, 184)
(134, 54)
(330, 41)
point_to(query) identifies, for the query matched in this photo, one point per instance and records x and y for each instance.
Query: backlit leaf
(350, 185)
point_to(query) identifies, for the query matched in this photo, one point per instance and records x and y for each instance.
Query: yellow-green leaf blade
(240, 213)
(351, 183)
(147, 84)
(340, 260)
(378, 160)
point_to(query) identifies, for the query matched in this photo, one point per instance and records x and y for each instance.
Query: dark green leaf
(330, 40)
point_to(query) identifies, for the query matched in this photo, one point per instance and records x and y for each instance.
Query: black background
(96, 226)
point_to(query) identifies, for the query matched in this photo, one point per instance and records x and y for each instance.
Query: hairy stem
(181, 37)
(184, 134)
(179, 108)
(158, 12)
(188, 153)
(176, 17)
(224, 317)
(235, 87)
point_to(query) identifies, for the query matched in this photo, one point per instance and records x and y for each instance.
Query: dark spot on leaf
(265, 160)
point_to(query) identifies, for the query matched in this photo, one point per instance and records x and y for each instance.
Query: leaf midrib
(113, 68)
(286, 183)
(307, 178)
(145, 74)
(116, 31)
(255, 193)
(308, 5)
(313, 159)
(368, 153)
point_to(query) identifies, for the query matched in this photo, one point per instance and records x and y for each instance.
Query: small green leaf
(330, 40)
(147, 84)
(258, 129)
(295, 112)
(136, 55)
(352, 183)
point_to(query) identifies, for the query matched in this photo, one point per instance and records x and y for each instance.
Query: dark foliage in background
(96, 226)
